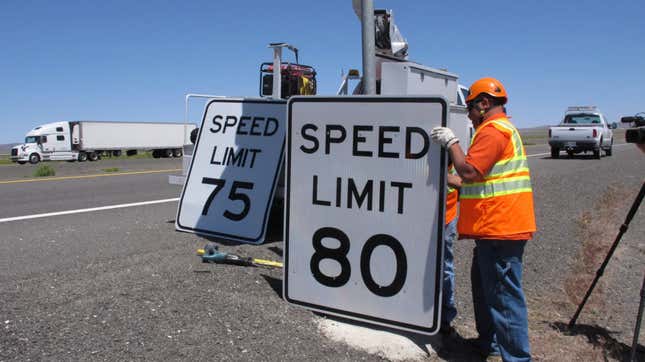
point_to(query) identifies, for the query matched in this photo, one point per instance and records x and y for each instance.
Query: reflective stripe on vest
(451, 199)
(507, 176)
(451, 171)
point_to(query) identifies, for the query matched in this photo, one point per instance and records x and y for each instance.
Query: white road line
(78, 211)
(538, 154)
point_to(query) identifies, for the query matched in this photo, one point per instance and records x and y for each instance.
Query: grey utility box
(406, 78)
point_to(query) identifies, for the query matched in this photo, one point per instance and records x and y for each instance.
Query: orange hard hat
(490, 86)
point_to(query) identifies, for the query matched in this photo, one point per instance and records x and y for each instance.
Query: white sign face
(234, 171)
(364, 212)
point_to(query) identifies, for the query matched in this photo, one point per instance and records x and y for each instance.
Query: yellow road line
(87, 176)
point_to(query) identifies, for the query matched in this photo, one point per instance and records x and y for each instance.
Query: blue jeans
(448, 309)
(501, 315)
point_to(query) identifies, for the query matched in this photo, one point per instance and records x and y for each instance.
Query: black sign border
(260, 238)
(438, 277)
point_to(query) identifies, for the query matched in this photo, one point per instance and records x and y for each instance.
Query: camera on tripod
(637, 133)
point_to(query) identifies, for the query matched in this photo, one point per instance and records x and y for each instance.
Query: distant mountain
(6, 148)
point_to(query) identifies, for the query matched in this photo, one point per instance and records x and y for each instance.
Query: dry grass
(534, 136)
(44, 171)
(597, 231)
(4, 160)
(551, 339)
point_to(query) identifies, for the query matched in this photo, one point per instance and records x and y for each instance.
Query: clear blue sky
(129, 60)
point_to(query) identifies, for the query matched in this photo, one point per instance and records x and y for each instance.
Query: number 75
(234, 195)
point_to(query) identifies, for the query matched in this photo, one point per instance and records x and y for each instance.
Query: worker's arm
(454, 181)
(467, 172)
(446, 138)
(482, 154)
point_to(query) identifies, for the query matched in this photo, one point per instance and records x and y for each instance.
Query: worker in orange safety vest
(495, 209)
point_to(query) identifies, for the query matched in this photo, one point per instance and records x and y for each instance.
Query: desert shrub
(44, 171)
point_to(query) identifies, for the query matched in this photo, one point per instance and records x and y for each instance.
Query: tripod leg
(637, 329)
(623, 228)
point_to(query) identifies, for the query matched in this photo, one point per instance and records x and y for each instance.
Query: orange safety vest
(451, 200)
(501, 205)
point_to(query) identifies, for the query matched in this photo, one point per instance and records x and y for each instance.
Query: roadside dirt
(550, 313)
(551, 337)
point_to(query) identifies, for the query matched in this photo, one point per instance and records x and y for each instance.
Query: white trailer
(89, 140)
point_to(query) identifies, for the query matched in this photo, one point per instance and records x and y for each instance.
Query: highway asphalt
(122, 284)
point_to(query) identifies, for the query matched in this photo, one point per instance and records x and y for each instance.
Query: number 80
(340, 255)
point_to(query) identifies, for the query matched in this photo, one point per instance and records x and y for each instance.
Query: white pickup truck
(583, 129)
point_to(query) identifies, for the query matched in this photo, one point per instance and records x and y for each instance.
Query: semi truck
(89, 140)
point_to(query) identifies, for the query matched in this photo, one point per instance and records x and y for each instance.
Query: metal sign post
(364, 208)
(367, 36)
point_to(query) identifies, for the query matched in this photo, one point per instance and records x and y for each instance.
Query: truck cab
(47, 142)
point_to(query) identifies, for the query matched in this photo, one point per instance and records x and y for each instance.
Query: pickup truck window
(581, 119)
(462, 94)
(465, 92)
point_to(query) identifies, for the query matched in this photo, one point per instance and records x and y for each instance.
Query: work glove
(443, 136)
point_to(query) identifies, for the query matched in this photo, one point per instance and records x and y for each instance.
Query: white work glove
(443, 136)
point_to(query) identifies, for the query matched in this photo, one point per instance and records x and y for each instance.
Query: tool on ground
(211, 253)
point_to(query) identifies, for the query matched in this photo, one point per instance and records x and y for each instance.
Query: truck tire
(596, 152)
(193, 135)
(82, 157)
(156, 153)
(92, 156)
(167, 153)
(555, 152)
(116, 153)
(608, 150)
(177, 152)
(34, 158)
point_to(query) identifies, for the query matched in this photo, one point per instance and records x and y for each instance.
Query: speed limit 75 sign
(234, 170)
(364, 208)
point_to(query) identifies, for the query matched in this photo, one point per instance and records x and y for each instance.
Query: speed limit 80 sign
(234, 171)
(364, 208)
